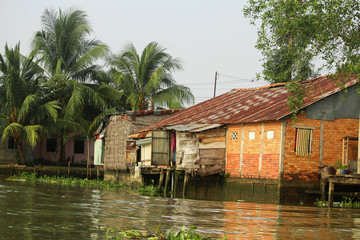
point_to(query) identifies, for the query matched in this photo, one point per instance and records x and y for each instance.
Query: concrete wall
(8, 156)
(76, 158)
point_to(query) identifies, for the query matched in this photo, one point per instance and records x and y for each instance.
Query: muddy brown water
(45, 211)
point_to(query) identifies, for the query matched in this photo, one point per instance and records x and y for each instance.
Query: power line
(241, 79)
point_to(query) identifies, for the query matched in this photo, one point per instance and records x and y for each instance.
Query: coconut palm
(146, 80)
(23, 107)
(69, 59)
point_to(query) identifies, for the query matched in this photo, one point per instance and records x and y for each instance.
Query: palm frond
(31, 134)
(12, 131)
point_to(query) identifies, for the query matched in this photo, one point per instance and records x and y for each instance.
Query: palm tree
(23, 108)
(146, 80)
(69, 57)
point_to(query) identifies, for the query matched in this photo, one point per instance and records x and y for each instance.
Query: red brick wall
(334, 131)
(252, 151)
(295, 167)
(307, 168)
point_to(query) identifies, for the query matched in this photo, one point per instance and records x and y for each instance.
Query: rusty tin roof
(251, 105)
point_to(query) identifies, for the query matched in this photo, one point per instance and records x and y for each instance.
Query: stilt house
(251, 135)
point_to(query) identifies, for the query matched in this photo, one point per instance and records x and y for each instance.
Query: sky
(207, 35)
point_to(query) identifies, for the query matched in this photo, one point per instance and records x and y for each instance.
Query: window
(51, 145)
(11, 143)
(303, 141)
(270, 134)
(234, 136)
(79, 146)
(251, 135)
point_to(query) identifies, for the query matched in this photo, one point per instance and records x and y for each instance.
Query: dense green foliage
(69, 59)
(23, 109)
(60, 91)
(146, 80)
(294, 33)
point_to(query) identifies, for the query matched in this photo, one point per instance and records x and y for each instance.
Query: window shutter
(160, 154)
(303, 142)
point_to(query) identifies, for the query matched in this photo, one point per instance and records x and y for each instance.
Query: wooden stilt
(167, 181)
(323, 188)
(97, 172)
(68, 168)
(331, 194)
(176, 182)
(186, 179)
(161, 180)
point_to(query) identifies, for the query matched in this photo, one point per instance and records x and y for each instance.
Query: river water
(45, 211)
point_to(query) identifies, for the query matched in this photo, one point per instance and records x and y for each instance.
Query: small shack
(114, 150)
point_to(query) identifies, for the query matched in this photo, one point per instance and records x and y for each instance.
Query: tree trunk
(20, 152)
(62, 159)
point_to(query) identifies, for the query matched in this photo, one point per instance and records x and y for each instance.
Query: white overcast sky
(207, 35)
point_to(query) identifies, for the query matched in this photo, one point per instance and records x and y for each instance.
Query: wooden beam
(161, 180)
(210, 170)
(242, 147)
(212, 153)
(331, 194)
(321, 145)
(213, 139)
(212, 133)
(167, 181)
(282, 149)
(186, 180)
(210, 161)
(261, 148)
(212, 145)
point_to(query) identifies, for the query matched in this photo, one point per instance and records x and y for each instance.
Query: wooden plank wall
(212, 151)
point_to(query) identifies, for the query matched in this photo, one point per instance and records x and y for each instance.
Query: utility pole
(216, 74)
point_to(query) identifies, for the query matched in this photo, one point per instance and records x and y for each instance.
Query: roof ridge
(274, 85)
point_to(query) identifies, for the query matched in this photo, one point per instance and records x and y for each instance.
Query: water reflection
(31, 211)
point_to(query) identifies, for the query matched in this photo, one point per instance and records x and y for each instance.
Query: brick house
(259, 140)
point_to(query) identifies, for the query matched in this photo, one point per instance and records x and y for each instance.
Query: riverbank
(58, 171)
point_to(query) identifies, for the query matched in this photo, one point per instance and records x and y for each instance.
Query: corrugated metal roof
(193, 127)
(159, 112)
(250, 105)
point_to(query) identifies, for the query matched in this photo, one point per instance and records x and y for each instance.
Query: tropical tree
(293, 33)
(147, 80)
(23, 108)
(69, 59)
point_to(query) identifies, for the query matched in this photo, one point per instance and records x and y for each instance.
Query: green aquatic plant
(150, 190)
(70, 181)
(320, 203)
(353, 201)
(183, 234)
